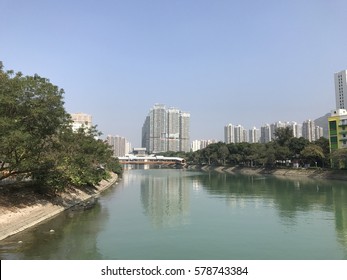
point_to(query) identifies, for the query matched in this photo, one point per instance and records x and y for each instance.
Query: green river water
(181, 215)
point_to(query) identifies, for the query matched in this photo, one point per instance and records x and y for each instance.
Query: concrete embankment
(311, 173)
(19, 218)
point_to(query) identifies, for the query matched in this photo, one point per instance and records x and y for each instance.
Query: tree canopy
(36, 137)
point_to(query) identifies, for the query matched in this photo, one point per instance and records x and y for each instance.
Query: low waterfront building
(338, 129)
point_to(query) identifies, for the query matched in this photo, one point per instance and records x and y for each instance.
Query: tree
(283, 135)
(37, 141)
(282, 153)
(296, 145)
(78, 159)
(223, 152)
(313, 154)
(324, 144)
(31, 112)
(270, 157)
(339, 158)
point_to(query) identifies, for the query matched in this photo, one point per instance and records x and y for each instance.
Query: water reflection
(41, 243)
(290, 196)
(177, 214)
(165, 198)
(340, 203)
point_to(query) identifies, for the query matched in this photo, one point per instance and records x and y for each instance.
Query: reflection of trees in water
(75, 237)
(165, 199)
(290, 196)
(340, 203)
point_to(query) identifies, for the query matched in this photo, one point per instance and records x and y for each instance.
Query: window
(333, 142)
(332, 127)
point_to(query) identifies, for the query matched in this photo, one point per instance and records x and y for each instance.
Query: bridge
(152, 159)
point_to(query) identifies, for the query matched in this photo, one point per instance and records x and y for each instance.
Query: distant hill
(323, 122)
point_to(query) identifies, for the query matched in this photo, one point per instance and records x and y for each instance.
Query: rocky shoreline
(287, 172)
(20, 217)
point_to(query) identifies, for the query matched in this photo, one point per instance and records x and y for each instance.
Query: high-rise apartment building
(184, 132)
(341, 89)
(235, 134)
(308, 130)
(166, 130)
(318, 132)
(296, 129)
(275, 126)
(229, 134)
(158, 129)
(173, 129)
(253, 135)
(201, 144)
(265, 133)
(240, 134)
(119, 145)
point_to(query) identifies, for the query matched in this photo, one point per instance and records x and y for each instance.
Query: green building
(338, 133)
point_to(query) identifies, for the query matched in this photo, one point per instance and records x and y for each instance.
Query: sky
(247, 62)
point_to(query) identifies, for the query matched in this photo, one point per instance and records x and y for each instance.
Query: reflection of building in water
(165, 200)
(340, 203)
(196, 185)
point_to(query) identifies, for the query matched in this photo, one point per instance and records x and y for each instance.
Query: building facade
(201, 144)
(338, 129)
(308, 130)
(265, 133)
(254, 135)
(119, 145)
(341, 89)
(229, 134)
(166, 130)
(184, 132)
(80, 120)
(235, 134)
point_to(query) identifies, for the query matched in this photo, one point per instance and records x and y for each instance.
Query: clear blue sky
(242, 62)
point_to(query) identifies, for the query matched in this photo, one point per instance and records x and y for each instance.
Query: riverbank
(25, 212)
(287, 172)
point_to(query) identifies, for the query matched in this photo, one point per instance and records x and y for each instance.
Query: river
(179, 214)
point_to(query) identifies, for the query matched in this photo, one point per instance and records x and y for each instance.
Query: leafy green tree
(31, 112)
(339, 158)
(79, 159)
(258, 154)
(207, 153)
(282, 153)
(212, 153)
(296, 145)
(324, 144)
(313, 154)
(283, 135)
(37, 141)
(270, 158)
(234, 156)
(223, 153)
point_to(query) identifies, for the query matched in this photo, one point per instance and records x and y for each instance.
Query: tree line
(283, 150)
(37, 143)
